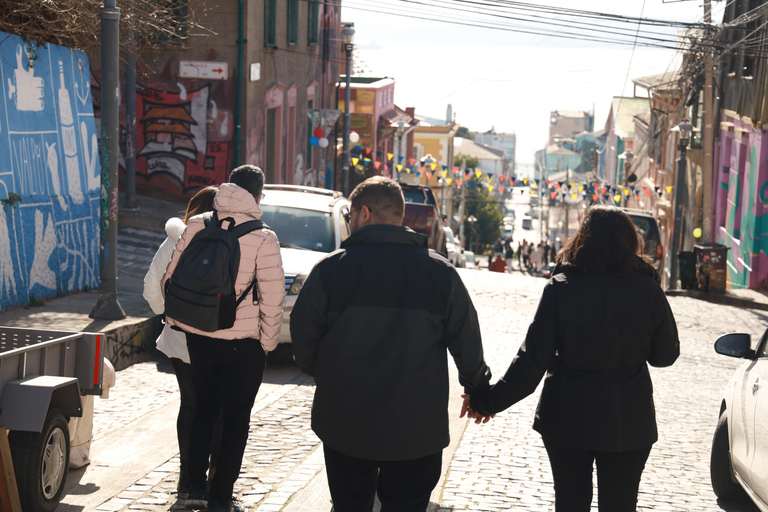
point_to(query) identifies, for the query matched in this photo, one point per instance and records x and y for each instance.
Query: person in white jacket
(173, 343)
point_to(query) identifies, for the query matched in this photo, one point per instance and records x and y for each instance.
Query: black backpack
(201, 291)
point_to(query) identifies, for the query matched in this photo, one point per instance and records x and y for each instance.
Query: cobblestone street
(498, 466)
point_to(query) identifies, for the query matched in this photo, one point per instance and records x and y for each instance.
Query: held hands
(466, 409)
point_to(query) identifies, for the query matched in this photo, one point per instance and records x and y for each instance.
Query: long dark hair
(608, 243)
(201, 202)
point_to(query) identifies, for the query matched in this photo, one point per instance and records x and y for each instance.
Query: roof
(667, 81)
(306, 198)
(365, 82)
(470, 148)
(437, 129)
(571, 113)
(624, 110)
(554, 149)
(398, 115)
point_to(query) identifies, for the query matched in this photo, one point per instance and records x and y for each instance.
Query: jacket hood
(174, 228)
(385, 234)
(234, 199)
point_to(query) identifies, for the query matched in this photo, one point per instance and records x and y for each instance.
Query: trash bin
(711, 266)
(687, 265)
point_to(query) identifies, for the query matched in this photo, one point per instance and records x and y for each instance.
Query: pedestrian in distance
(601, 320)
(373, 325)
(519, 253)
(498, 264)
(509, 253)
(173, 343)
(228, 364)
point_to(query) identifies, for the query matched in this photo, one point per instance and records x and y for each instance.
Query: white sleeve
(153, 292)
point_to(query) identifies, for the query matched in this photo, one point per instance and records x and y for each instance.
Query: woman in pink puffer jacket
(228, 365)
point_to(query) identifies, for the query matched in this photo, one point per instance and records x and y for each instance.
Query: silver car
(309, 223)
(739, 460)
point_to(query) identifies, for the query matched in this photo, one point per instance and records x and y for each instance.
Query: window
(312, 23)
(293, 22)
(300, 228)
(270, 23)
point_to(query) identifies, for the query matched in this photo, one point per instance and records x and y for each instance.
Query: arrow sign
(203, 70)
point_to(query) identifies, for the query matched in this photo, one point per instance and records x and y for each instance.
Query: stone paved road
(496, 467)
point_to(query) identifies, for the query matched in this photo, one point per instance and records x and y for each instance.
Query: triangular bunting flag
(411, 161)
(390, 156)
(669, 190)
(355, 160)
(399, 167)
(478, 174)
(377, 164)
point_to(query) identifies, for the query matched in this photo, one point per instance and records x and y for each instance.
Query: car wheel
(720, 468)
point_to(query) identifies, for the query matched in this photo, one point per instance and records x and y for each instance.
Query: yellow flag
(444, 173)
(432, 166)
(669, 190)
(533, 193)
(626, 191)
(490, 188)
(399, 167)
(355, 160)
(390, 156)
(449, 179)
(525, 181)
(617, 198)
(581, 188)
(574, 196)
(478, 174)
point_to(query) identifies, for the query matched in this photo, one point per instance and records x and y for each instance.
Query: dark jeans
(185, 420)
(402, 486)
(618, 478)
(227, 375)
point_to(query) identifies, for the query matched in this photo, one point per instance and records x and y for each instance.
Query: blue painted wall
(49, 239)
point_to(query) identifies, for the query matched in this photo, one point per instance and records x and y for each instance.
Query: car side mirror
(735, 345)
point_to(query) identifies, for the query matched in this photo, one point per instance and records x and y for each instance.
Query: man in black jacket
(373, 325)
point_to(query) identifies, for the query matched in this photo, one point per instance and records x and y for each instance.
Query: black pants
(185, 420)
(618, 478)
(227, 376)
(402, 486)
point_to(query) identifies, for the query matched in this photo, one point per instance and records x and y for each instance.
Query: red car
(423, 215)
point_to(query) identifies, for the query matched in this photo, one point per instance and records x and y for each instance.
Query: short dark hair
(249, 177)
(607, 242)
(201, 202)
(382, 196)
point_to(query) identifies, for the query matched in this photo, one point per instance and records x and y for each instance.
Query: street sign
(205, 70)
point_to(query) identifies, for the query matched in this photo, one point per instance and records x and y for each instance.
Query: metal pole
(107, 307)
(347, 121)
(239, 108)
(463, 201)
(677, 227)
(708, 139)
(130, 126)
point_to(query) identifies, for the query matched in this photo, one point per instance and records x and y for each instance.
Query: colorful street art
(741, 193)
(49, 173)
(172, 136)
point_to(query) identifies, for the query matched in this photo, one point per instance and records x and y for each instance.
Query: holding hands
(466, 409)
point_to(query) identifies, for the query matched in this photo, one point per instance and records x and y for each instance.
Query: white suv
(309, 223)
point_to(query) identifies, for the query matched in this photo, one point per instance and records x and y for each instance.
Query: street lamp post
(347, 37)
(629, 176)
(685, 128)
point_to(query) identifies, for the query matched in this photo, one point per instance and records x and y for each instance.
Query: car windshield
(646, 225)
(414, 196)
(300, 229)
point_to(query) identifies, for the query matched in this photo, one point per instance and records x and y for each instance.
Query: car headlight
(297, 284)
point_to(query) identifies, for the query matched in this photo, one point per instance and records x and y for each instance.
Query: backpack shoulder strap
(247, 227)
(211, 219)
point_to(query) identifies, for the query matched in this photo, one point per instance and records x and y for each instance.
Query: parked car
(423, 216)
(452, 248)
(309, 223)
(649, 230)
(469, 259)
(739, 457)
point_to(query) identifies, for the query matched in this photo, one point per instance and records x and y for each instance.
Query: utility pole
(708, 135)
(107, 307)
(463, 199)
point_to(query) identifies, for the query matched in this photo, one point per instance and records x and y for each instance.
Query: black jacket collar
(385, 234)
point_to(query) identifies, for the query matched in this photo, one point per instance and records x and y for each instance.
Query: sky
(507, 80)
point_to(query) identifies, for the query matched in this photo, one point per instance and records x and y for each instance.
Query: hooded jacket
(373, 324)
(593, 335)
(172, 343)
(260, 315)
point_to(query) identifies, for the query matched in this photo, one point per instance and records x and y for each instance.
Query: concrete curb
(719, 298)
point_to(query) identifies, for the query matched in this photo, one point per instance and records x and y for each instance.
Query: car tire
(720, 468)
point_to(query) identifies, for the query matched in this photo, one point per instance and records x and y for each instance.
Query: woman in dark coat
(601, 318)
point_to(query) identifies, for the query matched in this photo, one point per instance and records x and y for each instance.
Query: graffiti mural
(172, 136)
(49, 173)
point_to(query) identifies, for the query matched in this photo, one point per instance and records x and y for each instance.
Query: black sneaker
(226, 506)
(196, 501)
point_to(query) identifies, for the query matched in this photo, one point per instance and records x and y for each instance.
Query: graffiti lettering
(30, 164)
(201, 180)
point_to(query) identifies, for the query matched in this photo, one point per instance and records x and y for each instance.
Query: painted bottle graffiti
(69, 141)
